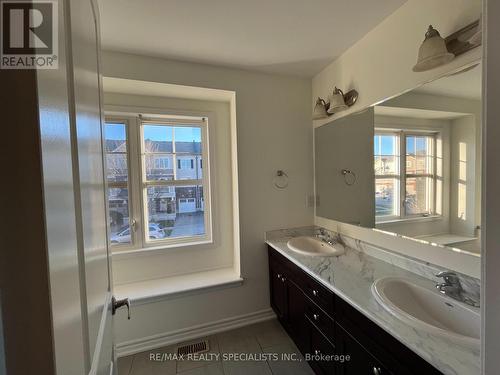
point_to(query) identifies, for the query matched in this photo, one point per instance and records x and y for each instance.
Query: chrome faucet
(452, 288)
(324, 236)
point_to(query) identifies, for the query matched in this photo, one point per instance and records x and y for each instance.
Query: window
(405, 179)
(170, 207)
(116, 149)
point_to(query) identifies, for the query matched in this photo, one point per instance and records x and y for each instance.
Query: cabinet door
(279, 295)
(360, 362)
(321, 353)
(298, 327)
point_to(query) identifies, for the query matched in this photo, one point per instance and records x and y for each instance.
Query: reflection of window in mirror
(462, 181)
(407, 174)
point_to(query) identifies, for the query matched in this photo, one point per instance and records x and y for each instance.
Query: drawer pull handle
(316, 317)
(279, 275)
(377, 370)
(283, 279)
(315, 293)
(317, 352)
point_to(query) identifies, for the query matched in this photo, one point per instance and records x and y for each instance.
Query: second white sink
(314, 247)
(427, 309)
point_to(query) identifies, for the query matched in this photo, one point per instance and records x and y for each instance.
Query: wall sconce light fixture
(436, 51)
(432, 52)
(338, 102)
(320, 109)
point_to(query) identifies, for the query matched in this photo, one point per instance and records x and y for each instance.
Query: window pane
(419, 158)
(175, 211)
(116, 151)
(189, 167)
(159, 167)
(187, 139)
(386, 197)
(385, 144)
(116, 167)
(119, 216)
(418, 195)
(386, 165)
(386, 156)
(157, 138)
(116, 137)
(117, 171)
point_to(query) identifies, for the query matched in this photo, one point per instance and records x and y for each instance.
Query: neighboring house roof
(114, 145)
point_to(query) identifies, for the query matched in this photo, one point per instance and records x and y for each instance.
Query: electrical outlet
(310, 200)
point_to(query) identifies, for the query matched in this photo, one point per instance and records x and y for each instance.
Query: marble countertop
(351, 276)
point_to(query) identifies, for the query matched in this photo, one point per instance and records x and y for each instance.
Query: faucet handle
(449, 277)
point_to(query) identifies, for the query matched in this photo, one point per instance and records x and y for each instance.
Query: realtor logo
(29, 37)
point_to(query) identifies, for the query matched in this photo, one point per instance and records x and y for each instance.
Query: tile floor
(266, 337)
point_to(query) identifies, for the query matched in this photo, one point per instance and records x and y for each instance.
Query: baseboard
(190, 333)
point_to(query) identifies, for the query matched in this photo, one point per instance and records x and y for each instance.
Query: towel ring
(349, 177)
(280, 179)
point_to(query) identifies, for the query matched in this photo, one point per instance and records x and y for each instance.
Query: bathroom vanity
(327, 306)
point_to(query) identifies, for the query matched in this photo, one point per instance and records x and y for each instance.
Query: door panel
(60, 211)
(89, 143)
(296, 310)
(103, 360)
(279, 297)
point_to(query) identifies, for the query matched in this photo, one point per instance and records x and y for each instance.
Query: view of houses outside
(386, 158)
(170, 154)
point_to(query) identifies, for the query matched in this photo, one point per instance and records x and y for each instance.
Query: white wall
(379, 66)
(463, 130)
(273, 115)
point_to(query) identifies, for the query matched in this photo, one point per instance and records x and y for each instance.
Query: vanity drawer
(319, 294)
(320, 319)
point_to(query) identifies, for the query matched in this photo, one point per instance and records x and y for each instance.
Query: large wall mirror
(410, 165)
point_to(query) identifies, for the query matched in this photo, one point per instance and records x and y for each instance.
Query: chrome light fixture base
(323, 110)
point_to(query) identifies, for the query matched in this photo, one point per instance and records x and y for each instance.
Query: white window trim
(140, 244)
(402, 133)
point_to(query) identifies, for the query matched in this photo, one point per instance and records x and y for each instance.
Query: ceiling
(134, 87)
(294, 37)
(463, 85)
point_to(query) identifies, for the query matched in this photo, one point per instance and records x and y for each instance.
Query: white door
(56, 307)
(91, 186)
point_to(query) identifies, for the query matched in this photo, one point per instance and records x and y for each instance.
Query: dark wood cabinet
(296, 310)
(335, 337)
(279, 292)
(360, 360)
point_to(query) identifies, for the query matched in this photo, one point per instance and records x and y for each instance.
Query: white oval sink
(314, 246)
(427, 309)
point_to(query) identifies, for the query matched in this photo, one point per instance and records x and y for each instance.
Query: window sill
(143, 292)
(446, 239)
(409, 220)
